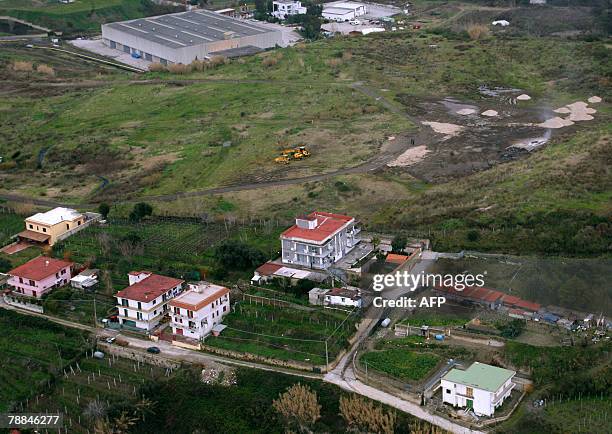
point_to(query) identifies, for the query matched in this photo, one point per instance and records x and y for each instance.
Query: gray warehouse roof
(188, 28)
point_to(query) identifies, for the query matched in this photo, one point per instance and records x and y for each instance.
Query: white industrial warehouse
(186, 36)
(343, 11)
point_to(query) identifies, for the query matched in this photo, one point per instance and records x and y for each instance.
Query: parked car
(153, 350)
(354, 22)
(110, 340)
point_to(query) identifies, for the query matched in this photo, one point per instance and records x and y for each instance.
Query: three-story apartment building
(39, 276)
(144, 303)
(319, 239)
(195, 312)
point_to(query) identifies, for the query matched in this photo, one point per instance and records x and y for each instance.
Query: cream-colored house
(52, 226)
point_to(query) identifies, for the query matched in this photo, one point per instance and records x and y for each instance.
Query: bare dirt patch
(410, 157)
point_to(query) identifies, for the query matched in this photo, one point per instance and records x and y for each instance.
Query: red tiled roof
(510, 300)
(40, 268)
(327, 225)
(268, 269)
(493, 296)
(344, 292)
(396, 259)
(149, 288)
(529, 305)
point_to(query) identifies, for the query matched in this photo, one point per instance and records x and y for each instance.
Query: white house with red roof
(319, 239)
(145, 301)
(195, 312)
(39, 276)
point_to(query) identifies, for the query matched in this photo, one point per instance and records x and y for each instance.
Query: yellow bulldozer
(289, 154)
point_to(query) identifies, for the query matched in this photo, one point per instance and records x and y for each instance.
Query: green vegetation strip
(400, 363)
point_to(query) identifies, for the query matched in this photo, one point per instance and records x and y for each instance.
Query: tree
(299, 407)
(362, 415)
(375, 242)
(104, 209)
(5, 265)
(237, 255)
(473, 235)
(140, 211)
(399, 243)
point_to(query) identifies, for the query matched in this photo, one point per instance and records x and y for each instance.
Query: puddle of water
(531, 144)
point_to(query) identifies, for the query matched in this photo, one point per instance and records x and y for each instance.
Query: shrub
(179, 68)
(269, 61)
(157, 67)
(217, 60)
(22, 66)
(45, 69)
(477, 31)
(334, 63)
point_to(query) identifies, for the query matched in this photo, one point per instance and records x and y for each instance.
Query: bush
(45, 69)
(477, 31)
(22, 66)
(179, 68)
(157, 67)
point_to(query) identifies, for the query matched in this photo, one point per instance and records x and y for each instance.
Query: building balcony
(500, 396)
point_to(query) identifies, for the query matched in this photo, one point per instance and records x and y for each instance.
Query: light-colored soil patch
(580, 111)
(450, 130)
(410, 157)
(562, 110)
(555, 123)
(466, 111)
(594, 99)
(523, 97)
(490, 113)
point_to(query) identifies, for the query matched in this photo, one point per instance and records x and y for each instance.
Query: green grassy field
(285, 333)
(433, 319)
(80, 16)
(401, 364)
(11, 224)
(34, 351)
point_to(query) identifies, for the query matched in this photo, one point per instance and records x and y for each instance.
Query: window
(448, 391)
(79, 223)
(139, 315)
(224, 308)
(20, 280)
(31, 226)
(189, 314)
(44, 229)
(67, 226)
(469, 392)
(32, 283)
(124, 302)
(125, 312)
(34, 293)
(64, 271)
(139, 305)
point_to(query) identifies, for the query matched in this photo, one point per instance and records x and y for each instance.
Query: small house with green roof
(481, 388)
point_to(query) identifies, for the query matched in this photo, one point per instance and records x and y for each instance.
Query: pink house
(39, 276)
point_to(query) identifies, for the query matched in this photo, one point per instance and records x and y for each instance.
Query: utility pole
(95, 313)
(326, 356)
